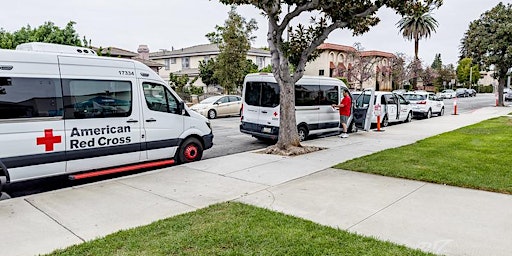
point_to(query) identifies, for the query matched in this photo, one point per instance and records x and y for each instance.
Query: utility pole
(470, 76)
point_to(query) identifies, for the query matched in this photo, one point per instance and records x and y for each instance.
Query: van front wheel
(191, 150)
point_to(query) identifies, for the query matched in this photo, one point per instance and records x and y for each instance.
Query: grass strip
(478, 157)
(235, 229)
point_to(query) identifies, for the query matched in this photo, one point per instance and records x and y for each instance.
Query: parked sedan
(448, 94)
(462, 92)
(224, 105)
(425, 103)
(471, 92)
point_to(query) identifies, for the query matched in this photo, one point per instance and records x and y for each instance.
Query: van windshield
(415, 97)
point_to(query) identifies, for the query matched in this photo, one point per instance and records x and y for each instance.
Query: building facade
(362, 69)
(186, 61)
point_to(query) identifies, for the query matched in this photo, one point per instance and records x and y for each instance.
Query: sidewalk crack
(55, 220)
(387, 206)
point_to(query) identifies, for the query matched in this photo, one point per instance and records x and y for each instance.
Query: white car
(393, 107)
(448, 94)
(223, 105)
(425, 104)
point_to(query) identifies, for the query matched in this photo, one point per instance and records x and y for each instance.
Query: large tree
(234, 40)
(488, 42)
(418, 25)
(328, 15)
(47, 33)
(468, 73)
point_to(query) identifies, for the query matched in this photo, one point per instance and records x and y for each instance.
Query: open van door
(363, 107)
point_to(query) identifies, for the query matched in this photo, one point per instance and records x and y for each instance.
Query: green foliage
(453, 158)
(194, 90)
(178, 82)
(234, 41)
(466, 70)
(417, 25)
(445, 76)
(46, 33)
(267, 69)
(207, 71)
(437, 64)
(488, 41)
(344, 80)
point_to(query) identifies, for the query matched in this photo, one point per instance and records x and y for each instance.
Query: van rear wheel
(303, 133)
(385, 121)
(191, 150)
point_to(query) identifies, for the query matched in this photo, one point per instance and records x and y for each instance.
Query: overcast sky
(163, 24)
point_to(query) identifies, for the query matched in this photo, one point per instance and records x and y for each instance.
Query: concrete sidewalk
(440, 219)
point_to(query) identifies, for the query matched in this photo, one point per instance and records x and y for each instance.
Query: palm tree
(420, 24)
(417, 26)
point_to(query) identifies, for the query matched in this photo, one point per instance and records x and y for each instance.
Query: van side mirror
(181, 108)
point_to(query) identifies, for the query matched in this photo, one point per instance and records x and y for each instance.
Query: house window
(321, 72)
(185, 62)
(166, 64)
(260, 62)
(173, 60)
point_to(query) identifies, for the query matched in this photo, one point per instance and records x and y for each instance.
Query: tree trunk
(416, 61)
(288, 135)
(501, 86)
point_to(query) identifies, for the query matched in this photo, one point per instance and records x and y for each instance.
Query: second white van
(314, 97)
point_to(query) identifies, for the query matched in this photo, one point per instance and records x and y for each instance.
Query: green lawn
(477, 156)
(236, 229)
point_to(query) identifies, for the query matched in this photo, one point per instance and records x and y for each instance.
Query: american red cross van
(64, 110)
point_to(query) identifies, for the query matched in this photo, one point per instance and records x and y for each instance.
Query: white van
(314, 97)
(393, 107)
(64, 110)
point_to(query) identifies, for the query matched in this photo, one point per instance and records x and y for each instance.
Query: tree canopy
(357, 16)
(467, 72)
(234, 40)
(488, 41)
(46, 33)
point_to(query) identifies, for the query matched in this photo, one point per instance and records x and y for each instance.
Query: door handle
(150, 120)
(264, 112)
(132, 121)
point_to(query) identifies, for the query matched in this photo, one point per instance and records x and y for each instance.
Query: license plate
(267, 130)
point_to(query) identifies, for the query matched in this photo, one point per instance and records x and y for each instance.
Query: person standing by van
(344, 108)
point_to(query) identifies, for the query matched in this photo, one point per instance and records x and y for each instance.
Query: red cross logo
(48, 140)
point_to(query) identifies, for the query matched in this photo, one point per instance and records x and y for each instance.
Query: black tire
(303, 133)
(212, 114)
(441, 113)
(385, 121)
(409, 118)
(429, 114)
(191, 150)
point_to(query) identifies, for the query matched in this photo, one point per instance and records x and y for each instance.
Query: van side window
(29, 97)
(96, 98)
(307, 95)
(330, 95)
(159, 98)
